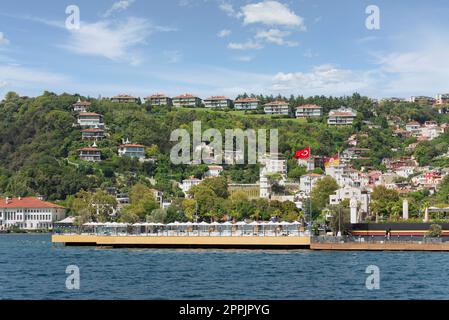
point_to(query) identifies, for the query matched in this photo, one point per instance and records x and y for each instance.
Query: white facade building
(308, 181)
(187, 100)
(29, 213)
(348, 193)
(219, 102)
(90, 120)
(187, 184)
(246, 104)
(277, 107)
(309, 111)
(343, 116)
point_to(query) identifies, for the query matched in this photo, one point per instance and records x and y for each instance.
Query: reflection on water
(32, 268)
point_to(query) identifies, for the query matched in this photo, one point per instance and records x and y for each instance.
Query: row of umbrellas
(188, 224)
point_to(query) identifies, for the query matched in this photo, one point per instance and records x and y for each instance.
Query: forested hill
(39, 141)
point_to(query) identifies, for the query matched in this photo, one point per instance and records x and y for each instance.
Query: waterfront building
(348, 193)
(219, 102)
(132, 150)
(125, 98)
(309, 111)
(29, 213)
(343, 116)
(90, 154)
(90, 120)
(81, 106)
(246, 104)
(159, 99)
(277, 107)
(93, 134)
(187, 100)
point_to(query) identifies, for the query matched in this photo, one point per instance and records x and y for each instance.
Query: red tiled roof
(186, 95)
(28, 202)
(309, 106)
(131, 145)
(217, 98)
(92, 130)
(247, 100)
(277, 103)
(342, 114)
(157, 95)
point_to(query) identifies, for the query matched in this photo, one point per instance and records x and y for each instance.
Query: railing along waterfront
(269, 229)
(379, 239)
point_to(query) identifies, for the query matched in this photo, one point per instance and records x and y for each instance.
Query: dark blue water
(31, 268)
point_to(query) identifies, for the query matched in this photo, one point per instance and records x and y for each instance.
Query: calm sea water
(32, 268)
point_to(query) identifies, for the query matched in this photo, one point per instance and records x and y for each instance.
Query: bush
(435, 231)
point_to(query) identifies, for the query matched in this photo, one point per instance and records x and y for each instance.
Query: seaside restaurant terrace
(187, 229)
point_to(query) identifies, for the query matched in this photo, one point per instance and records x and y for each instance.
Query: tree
(384, 202)
(98, 206)
(320, 194)
(142, 202)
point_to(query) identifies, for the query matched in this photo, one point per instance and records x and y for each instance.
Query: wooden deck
(184, 242)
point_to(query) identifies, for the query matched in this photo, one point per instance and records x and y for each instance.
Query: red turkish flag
(303, 154)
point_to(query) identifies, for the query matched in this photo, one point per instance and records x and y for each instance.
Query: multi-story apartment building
(159, 99)
(246, 104)
(29, 213)
(343, 116)
(308, 181)
(132, 151)
(277, 107)
(81, 106)
(93, 134)
(126, 98)
(423, 100)
(219, 102)
(309, 111)
(90, 120)
(187, 100)
(90, 154)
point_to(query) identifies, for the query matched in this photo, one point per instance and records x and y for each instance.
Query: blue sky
(224, 47)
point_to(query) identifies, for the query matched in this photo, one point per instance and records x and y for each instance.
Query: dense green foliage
(39, 146)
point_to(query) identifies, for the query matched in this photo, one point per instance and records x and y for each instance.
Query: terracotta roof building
(29, 213)
(220, 102)
(187, 100)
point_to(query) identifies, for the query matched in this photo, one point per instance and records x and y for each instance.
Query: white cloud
(271, 13)
(275, 36)
(118, 6)
(113, 41)
(3, 40)
(249, 45)
(229, 10)
(323, 79)
(224, 33)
